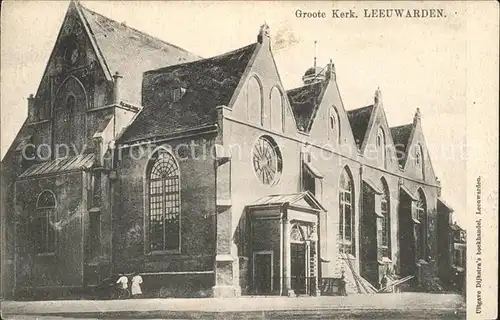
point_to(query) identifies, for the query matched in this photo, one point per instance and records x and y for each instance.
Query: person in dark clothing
(342, 283)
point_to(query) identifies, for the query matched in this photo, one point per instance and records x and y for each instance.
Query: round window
(267, 161)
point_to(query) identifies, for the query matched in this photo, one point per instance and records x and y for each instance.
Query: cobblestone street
(377, 306)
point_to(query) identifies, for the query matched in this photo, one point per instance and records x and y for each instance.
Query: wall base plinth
(226, 291)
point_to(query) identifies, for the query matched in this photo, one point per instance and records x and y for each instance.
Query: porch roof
(372, 185)
(75, 163)
(445, 205)
(299, 199)
(409, 193)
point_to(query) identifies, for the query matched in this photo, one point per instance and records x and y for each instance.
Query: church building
(208, 177)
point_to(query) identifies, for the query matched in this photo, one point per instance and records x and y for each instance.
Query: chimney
(264, 34)
(31, 108)
(116, 87)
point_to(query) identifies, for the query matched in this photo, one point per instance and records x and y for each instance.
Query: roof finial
(263, 33)
(416, 118)
(331, 70)
(378, 95)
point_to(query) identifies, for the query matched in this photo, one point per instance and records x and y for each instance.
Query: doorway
(298, 267)
(263, 272)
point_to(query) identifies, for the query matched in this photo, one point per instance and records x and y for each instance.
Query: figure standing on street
(123, 286)
(136, 285)
(342, 283)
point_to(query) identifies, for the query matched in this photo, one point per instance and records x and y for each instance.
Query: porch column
(286, 258)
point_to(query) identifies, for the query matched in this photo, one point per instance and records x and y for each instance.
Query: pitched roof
(74, 163)
(208, 83)
(304, 102)
(359, 119)
(279, 199)
(401, 136)
(131, 52)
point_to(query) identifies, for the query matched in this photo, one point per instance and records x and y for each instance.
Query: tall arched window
(164, 214)
(277, 110)
(70, 116)
(44, 230)
(255, 105)
(381, 148)
(384, 224)
(346, 215)
(420, 226)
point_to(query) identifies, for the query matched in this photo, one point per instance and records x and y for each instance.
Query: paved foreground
(373, 306)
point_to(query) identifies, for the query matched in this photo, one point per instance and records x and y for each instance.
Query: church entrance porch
(283, 244)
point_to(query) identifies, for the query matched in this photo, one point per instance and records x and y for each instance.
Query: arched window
(44, 230)
(164, 214)
(346, 215)
(381, 148)
(420, 226)
(255, 106)
(277, 110)
(333, 126)
(384, 224)
(419, 161)
(100, 93)
(70, 115)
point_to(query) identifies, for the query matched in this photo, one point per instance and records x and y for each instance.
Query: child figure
(136, 285)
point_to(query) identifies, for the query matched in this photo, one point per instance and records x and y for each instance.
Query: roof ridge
(225, 54)
(135, 30)
(305, 85)
(360, 108)
(402, 125)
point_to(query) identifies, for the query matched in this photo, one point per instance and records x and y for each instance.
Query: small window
(333, 132)
(178, 93)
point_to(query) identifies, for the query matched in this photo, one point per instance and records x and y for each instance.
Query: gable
(260, 99)
(331, 106)
(370, 149)
(131, 52)
(74, 55)
(418, 166)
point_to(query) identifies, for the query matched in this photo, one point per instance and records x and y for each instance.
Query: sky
(415, 62)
